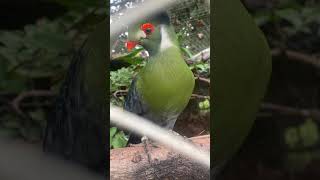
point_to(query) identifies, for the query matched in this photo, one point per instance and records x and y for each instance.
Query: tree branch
(122, 92)
(297, 56)
(200, 96)
(132, 162)
(15, 103)
(285, 110)
(203, 79)
(201, 56)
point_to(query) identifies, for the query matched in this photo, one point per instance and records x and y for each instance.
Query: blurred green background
(37, 41)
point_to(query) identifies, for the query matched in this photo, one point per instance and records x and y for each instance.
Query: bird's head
(147, 32)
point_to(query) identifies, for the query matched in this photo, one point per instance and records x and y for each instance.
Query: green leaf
(11, 39)
(38, 115)
(132, 58)
(47, 35)
(113, 131)
(309, 133)
(262, 18)
(120, 78)
(291, 136)
(186, 51)
(242, 68)
(291, 15)
(119, 140)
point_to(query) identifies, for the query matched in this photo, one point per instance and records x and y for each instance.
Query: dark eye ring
(148, 31)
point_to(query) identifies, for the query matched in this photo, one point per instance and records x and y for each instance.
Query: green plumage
(166, 82)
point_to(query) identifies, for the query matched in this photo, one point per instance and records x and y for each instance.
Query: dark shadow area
(284, 142)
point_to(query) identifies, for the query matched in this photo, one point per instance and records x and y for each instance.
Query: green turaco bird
(162, 89)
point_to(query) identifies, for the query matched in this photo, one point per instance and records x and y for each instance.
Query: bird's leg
(145, 142)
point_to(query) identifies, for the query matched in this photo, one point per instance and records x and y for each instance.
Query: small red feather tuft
(130, 45)
(148, 28)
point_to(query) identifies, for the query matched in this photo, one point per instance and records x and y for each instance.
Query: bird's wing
(134, 102)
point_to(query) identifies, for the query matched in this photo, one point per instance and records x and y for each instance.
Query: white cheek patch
(165, 39)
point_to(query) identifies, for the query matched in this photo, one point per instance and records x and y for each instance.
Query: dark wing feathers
(78, 126)
(134, 103)
(68, 130)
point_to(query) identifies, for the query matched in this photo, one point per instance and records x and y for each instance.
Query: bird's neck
(166, 38)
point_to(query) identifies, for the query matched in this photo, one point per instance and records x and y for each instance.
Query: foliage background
(36, 46)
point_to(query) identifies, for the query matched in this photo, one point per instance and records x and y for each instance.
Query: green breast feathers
(166, 82)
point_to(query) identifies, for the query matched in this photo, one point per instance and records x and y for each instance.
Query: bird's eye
(147, 28)
(148, 31)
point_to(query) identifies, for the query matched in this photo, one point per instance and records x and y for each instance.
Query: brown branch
(285, 110)
(15, 103)
(132, 162)
(203, 55)
(297, 56)
(203, 79)
(200, 96)
(122, 92)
